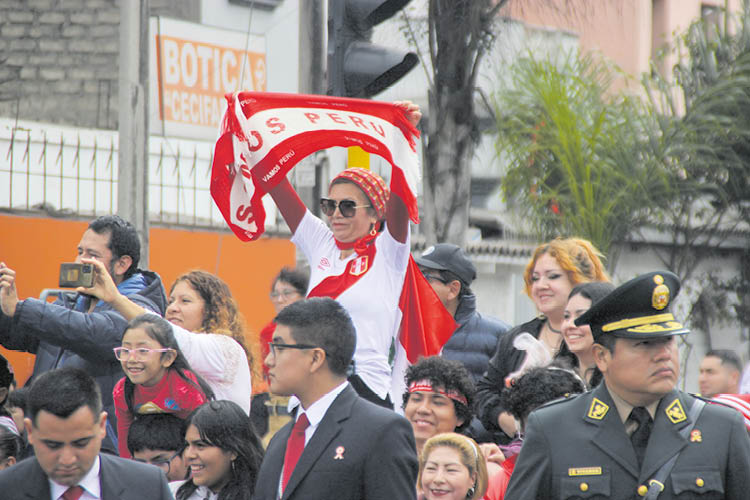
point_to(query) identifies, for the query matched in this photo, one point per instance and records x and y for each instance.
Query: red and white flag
(740, 402)
(264, 135)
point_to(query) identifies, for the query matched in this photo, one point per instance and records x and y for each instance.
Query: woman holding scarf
(359, 258)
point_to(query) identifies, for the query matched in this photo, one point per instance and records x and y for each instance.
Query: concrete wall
(59, 59)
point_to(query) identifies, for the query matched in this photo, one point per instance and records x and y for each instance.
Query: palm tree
(575, 165)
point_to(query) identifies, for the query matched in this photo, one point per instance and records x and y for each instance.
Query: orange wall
(34, 247)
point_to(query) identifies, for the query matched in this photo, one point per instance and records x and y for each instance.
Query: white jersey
(372, 301)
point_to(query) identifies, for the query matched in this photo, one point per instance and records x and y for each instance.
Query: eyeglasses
(123, 353)
(285, 293)
(163, 464)
(346, 207)
(276, 347)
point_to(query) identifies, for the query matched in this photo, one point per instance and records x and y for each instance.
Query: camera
(73, 275)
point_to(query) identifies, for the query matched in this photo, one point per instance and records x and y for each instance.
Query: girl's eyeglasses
(346, 207)
(123, 353)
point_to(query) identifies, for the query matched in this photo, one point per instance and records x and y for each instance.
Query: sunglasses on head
(346, 207)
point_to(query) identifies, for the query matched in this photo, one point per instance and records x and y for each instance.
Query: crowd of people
(136, 394)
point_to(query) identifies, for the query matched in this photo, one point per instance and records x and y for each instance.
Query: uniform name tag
(585, 471)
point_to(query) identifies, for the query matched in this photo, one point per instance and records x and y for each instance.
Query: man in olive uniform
(635, 432)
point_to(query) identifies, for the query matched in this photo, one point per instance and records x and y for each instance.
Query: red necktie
(72, 493)
(294, 447)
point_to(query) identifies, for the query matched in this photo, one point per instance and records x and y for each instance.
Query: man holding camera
(82, 331)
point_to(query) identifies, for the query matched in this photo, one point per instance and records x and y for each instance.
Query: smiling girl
(223, 454)
(578, 341)
(158, 377)
(206, 323)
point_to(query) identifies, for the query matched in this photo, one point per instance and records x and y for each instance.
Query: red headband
(372, 184)
(426, 386)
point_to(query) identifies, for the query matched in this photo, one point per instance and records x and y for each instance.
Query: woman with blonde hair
(554, 269)
(451, 467)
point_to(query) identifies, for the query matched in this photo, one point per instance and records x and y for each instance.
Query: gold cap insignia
(598, 409)
(660, 295)
(675, 413)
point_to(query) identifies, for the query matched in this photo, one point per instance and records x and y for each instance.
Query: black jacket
(506, 360)
(61, 336)
(475, 340)
(359, 451)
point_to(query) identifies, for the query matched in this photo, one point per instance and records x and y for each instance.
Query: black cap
(448, 257)
(637, 309)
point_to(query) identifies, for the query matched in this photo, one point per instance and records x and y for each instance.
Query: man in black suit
(66, 426)
(339, 445)
(635, 435)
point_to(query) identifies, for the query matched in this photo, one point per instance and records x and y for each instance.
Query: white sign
(192, 67)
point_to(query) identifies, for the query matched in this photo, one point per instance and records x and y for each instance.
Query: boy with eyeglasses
(158, 440)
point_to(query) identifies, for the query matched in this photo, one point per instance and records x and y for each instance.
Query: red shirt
(173, 394)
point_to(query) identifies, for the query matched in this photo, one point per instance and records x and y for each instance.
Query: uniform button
(699, 482)
(584, 487)
(642, 490)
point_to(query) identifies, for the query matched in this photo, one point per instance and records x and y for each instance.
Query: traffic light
(356, 67)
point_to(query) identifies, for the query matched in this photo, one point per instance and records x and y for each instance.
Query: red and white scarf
(264, 135)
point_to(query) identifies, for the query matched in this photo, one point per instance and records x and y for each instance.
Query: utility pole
(132, 178)
(309, 173)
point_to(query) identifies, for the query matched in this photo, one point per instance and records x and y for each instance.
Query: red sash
(333, 286)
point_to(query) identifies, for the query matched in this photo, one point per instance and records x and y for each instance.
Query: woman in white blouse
(206, 323)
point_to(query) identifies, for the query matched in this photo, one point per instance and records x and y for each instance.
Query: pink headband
(426, 386)
(372, 184)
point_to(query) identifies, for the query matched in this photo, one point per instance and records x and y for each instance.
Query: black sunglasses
(436, 277)
(346, 207)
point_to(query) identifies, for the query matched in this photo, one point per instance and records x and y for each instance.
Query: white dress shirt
(92, 487)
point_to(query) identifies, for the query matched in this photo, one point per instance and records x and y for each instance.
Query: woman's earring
(470, 493)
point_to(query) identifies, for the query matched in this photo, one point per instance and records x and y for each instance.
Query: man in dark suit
(635, 434)
(339, 445)
(66, 426)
